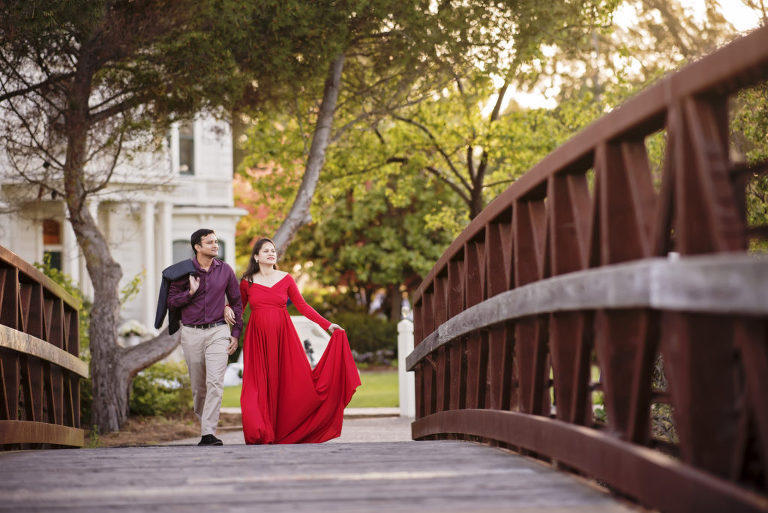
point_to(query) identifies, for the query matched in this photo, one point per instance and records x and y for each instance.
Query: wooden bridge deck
(433, 476)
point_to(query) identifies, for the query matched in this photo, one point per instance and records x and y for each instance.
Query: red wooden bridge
(583, 279)
(607, 322)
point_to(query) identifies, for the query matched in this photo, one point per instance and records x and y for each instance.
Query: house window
(182, 250)
(52, 242)
(187, 148)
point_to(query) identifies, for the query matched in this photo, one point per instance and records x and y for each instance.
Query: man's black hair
(197, 237)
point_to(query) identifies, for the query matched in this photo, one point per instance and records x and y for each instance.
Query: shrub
(161, 389)
(330, 303)
(372, 339)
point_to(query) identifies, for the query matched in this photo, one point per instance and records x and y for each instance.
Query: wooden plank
(428, 477)
(9, 296)
(28, 432)
(699, 365)
(27, 344)
(625, 354)
(10, 376)
(706, 218)
(723, 283)
(656, 480)
(570, 348)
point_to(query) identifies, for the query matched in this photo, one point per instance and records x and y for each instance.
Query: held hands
(229, 315)
(194, 284)
(333, 327)
(232, 347)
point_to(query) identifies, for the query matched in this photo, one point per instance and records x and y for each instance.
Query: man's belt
(205, 326)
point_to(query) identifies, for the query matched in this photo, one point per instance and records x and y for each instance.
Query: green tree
(396, 53)
(371, 234)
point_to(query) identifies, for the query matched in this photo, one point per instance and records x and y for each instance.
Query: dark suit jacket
(172, 273)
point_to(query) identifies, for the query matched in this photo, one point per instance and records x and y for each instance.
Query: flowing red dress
(284, 400)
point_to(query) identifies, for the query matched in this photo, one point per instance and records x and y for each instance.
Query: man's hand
(232, 345)
(194, 284)
(229, 315)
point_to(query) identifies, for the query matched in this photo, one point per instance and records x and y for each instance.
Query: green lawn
(231, 398)
(379, 389)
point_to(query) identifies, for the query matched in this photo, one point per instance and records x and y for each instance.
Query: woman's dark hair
(197, 237)
(253, 267)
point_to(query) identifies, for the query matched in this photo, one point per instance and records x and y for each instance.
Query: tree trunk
(109, 405)
(395, 303)
(299, 213)
(112, 367)
(477, 203)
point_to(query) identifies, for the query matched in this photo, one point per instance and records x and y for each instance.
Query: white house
(152, 206)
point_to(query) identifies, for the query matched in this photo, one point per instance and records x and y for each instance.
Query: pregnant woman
(283, 399)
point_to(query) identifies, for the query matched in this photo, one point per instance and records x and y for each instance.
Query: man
(205, 335)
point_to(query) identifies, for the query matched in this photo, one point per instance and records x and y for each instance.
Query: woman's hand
(333, 327)
(229, 315)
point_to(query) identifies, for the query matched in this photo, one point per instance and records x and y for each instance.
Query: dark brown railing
(610, 325)
(39, 368)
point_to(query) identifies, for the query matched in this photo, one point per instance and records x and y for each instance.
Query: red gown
(284, 400)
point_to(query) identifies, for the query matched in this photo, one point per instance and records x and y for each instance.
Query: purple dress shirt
(207, 304)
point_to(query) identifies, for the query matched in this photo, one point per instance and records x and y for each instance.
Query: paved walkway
(360, 425)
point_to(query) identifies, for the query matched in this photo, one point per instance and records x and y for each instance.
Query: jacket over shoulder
(171, 273)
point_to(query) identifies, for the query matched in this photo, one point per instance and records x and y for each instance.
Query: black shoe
(210, 440)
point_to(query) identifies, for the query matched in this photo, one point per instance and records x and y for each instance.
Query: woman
(283, 399)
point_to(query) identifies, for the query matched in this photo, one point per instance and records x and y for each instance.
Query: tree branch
(35, 87)
(118, 108)
(437, 146)
(462, 194)
(105, 182)
(483, 167)
(138, 357)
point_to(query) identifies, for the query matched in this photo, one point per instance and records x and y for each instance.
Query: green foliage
(397, 54)
(368, 334)
(132, 288)
(598, 409)
(377, 390)
(749, 133)
(161, 389)
(328, 302)
(66, 282)
(86, 392)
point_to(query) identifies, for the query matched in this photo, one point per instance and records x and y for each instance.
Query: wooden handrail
(39, 347)
(723, 283)
(583, 282)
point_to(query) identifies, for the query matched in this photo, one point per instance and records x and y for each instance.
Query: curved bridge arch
(583, 278)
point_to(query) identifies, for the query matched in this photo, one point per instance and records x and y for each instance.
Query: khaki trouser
(206, 353)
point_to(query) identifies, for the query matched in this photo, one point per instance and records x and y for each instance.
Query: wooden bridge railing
(39, 365)
(611, 325)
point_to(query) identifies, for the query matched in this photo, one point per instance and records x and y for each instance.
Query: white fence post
(406, 380)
